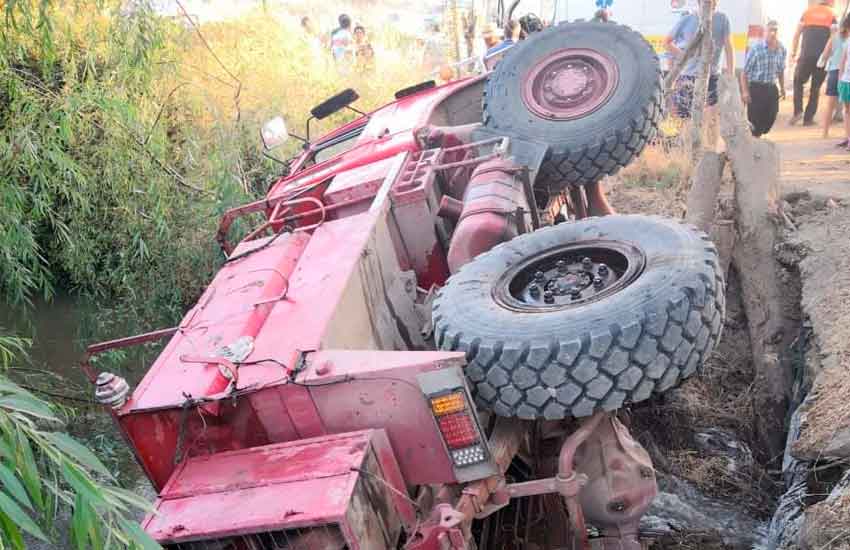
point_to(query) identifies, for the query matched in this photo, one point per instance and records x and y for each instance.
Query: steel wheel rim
(568, 279)
(570, 83)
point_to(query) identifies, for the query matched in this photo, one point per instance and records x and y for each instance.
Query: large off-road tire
(651, 323)
(590, 91)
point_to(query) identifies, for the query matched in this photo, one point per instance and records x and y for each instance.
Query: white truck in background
(655, 18)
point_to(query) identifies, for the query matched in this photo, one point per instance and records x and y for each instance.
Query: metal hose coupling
(111, 390)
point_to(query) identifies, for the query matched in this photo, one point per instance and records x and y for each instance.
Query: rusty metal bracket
(442, 531)
(281, 213)
(130, 341)
(499, 151)
(568, 487)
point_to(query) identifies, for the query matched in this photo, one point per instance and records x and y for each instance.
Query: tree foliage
(95, 157)
(44, 472)
(123, 138)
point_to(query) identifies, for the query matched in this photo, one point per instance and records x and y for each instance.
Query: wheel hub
(569, 276)
(570, 83)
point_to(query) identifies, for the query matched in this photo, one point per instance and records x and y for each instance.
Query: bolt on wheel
(570, 276)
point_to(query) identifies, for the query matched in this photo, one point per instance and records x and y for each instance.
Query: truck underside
(374, 368)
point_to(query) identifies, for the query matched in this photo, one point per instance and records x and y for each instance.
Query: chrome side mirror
(274, 133)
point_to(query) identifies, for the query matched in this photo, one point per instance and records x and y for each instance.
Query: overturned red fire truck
(426, 343)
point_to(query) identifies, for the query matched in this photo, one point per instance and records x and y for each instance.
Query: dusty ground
(816, 181)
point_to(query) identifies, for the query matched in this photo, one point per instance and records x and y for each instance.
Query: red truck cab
(408, 322)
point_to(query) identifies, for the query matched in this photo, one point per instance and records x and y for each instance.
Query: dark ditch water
(60, 329)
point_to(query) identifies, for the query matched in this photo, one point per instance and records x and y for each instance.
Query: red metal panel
(315, 289)
(273, 464)
(156, 435)
(392, 474)
(253, 510)
(300, 407)
(372, 389)
(271, 488)
(390, 130)
(358, 183)
(226, 311)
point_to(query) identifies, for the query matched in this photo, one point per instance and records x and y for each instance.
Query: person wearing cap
(813, 31)
(765, 66)
(511, 37)
(490, 34)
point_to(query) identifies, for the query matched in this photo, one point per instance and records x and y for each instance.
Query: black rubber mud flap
(584, 316)
(591, 91)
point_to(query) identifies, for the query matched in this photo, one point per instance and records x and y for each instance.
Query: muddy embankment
(814, 512)
(724, 481)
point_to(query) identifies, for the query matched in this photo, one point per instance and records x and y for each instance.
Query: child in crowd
(844, 95)
(831, 59)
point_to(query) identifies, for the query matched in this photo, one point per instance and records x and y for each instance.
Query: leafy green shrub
(124, 136)
(43, 471)
(98, 191)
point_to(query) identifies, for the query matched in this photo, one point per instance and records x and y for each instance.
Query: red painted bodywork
(489, 212)
(335, 345)
(387, 131)
(271, 488)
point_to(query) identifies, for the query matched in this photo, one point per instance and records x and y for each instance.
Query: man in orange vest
(814, 29)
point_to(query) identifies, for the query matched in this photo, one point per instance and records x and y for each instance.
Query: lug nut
(548, 297)
(587, 263)
(617, 506)
(534, 291)
(539, 276)
(603, 270)
(562, 266)
(598, 282)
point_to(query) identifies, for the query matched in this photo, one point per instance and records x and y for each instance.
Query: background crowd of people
(819, 54)
(348, 44)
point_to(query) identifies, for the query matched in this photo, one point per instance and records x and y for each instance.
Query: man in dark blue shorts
(677, 42)
(813, 32)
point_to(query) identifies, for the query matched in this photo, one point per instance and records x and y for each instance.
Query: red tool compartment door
(342, 483)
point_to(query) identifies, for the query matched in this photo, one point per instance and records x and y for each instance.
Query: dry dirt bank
(720, 489)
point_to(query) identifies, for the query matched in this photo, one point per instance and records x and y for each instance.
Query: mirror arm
(308, 129)
(299, 138)
(305, 141)
(358, 111)
(274, 158)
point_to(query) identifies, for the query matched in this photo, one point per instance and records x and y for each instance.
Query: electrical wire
(281, 364)
(344, 380)
(268, 243)
(386, 484)
(57, 395)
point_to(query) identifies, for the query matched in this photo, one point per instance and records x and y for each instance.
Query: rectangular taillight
(458, 430)
(457, 422)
